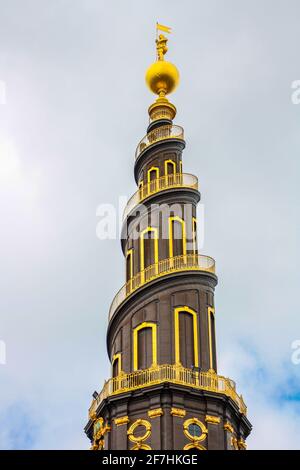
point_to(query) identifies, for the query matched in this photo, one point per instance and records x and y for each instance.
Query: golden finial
(162, 77)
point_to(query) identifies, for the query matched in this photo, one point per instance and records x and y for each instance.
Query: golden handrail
(169, 373)
(166, 266)
(160, 133)
(175, 180)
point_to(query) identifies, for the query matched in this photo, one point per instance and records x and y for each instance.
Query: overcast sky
(74, 109)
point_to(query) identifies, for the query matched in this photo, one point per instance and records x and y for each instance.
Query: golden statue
(161, 46)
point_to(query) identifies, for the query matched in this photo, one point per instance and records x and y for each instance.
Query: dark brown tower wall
(157, 303)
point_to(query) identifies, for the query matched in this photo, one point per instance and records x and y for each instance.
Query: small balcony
(171, 373)
(175, 180)
(191, 262)
(158, 134)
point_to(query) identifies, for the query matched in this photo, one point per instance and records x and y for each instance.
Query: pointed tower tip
(162, 78)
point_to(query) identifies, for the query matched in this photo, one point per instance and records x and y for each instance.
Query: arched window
(186, 337)
(129, 270)
(170, 167)
(116, 365)
(212, 339)
(129, 264)
(194, 236)
(141, 190)
(152, 176)
(177, 237)
(148, 252)
(144, 345)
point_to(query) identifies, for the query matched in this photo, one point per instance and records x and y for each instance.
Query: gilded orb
(162, 77)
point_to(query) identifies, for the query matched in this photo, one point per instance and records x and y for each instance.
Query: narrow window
(212, 339)
(186, 337)
(153, 178)
(144, 346)
(148, 253)
(116, 365)
(177, 237)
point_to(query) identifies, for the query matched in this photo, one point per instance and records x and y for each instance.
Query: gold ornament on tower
(162, 77)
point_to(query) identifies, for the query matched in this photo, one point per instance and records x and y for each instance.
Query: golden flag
(161, 27)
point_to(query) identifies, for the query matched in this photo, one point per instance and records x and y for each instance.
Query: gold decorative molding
(197, 422)
(140, 446)
(193, 445)
(122, 420)
(228, 427)
(212, 419)
(92, 416)
(136, 424)
(242, 444)
(178, 412)
(234, 443)
(155, 413)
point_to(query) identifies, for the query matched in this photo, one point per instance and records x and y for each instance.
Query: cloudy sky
(73, 108)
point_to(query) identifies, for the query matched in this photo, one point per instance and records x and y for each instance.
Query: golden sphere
(162, 76)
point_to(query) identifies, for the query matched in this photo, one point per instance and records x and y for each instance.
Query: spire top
(162, 77)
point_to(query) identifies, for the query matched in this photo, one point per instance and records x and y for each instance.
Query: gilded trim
(177, 334)
(139, 446)
(178, 412)
(212, 419)
(137, 423)
(169, 373)
(143, 325)
(242, 444)
(199, 423)
(228, 427)
(210, 311)
(122, 420)
(92, 415)
(234, 443)
(164, 267)
(193, 445)
(155, 413)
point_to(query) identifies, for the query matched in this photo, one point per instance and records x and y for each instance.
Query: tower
(164, 392)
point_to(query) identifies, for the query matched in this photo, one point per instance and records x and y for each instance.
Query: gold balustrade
(190, 262)
(160, 133)
(169, 373)
(175, 180)
(161, 113)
